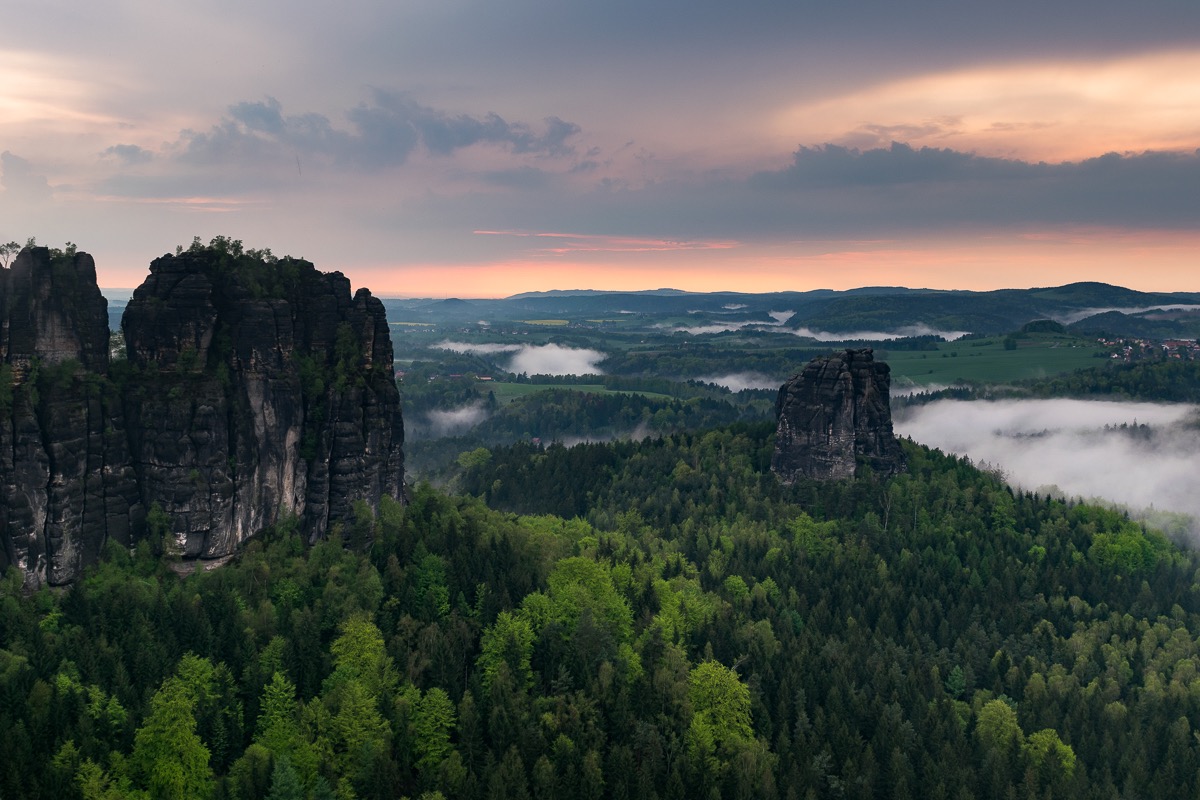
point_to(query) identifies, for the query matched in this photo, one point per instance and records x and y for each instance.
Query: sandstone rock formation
(834, 416)
(65, 481)
(255, 388)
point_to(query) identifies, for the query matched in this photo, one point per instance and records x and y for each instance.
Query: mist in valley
(1072, 317)
(452, 421)
(740, 381)
(878, 336)
(536, 359)
(1141, 456)
(777, 317)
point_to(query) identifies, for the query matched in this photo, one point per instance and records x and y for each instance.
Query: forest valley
(657, 617)
(653, 619)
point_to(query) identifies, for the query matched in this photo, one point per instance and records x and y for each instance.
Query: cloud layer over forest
(1138, 455)
(533, 359)
(740, 381)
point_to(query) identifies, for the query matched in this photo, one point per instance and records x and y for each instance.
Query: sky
(479, 149)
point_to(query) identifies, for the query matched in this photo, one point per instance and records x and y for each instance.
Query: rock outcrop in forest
(255, 388)
(833, 416)
(66, 483)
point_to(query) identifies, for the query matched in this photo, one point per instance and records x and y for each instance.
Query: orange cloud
(1051, 111)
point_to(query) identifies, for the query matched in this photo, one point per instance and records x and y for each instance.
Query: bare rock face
(833, 416)
(261, 390)
(66, 485)
(255, 388)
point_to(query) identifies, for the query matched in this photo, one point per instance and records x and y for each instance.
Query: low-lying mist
(479, 348)
(553, 359)
(1083, 313)
(537, 359)
(740, 381)
(903, 387)
(878, 336)
(778, 317)
(1143, 456)
(641, 431)
(448, 422)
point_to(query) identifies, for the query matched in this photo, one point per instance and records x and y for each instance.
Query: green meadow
(990, 361)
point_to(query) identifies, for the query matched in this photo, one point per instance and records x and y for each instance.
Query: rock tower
(834, 416)
(255, 388)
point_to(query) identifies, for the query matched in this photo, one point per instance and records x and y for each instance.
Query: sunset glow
(1051, 111)
(974, 264)
(456, 152)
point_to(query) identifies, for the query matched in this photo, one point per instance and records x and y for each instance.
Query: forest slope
(686, 627)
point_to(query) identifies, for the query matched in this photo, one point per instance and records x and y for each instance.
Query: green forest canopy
(658, 619)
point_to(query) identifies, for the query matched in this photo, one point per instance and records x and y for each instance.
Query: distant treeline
(566, 415)
(1167, 381)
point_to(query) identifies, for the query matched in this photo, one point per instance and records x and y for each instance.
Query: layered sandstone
(835, 417)
(255, 388)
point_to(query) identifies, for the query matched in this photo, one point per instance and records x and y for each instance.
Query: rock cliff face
(66, 485)
(834, 415)
(255, 388)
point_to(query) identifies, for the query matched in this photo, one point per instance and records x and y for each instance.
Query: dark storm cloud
(381, 133)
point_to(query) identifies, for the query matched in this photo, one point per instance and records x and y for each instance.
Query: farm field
(987, 360)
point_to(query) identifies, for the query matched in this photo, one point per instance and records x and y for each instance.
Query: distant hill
(1181, 324)
(592, 292)
(871, 308)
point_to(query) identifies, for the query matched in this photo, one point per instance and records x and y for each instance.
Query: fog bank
(455, 420)
(1084, 313)
(483, 349)
(878, 336)
(1075, 448)
(903, 387)
(778, 317)
(553, 359)
(739, 381)
(535, 359)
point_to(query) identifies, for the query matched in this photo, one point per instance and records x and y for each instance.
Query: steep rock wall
(834, 415)
(66, 485)
(255, 388)
(261, 389)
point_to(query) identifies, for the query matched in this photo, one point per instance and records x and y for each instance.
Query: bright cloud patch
(533, 359)
(553, 359)
(455, 420)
